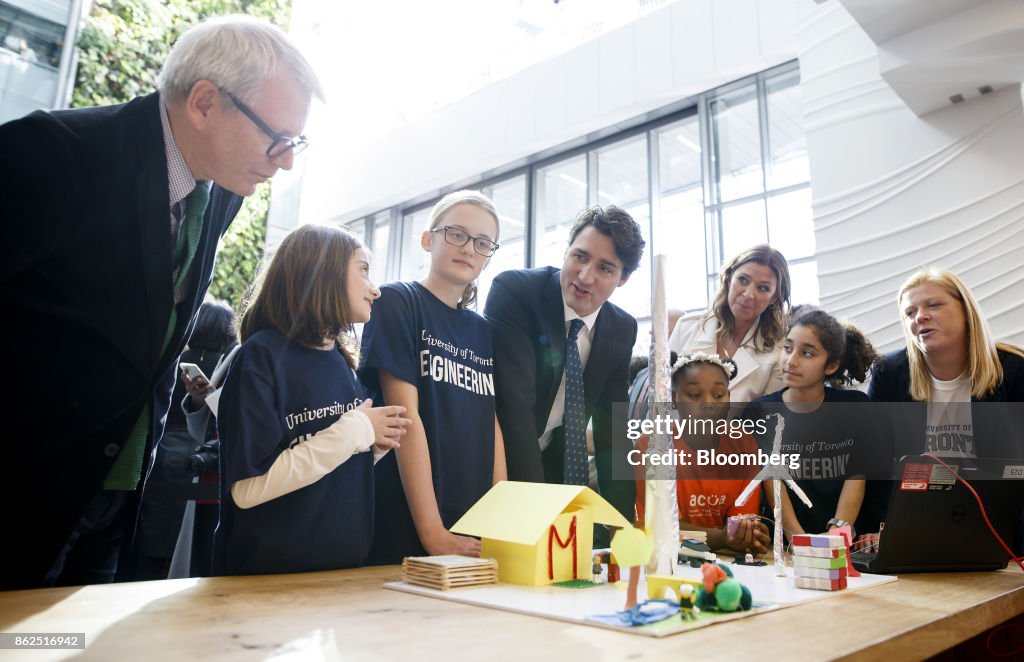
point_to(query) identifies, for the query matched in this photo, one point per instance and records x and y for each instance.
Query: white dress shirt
(757, 372)
(584, 340)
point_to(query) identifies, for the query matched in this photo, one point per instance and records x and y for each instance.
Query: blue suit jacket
(525, 308)
(85, 286)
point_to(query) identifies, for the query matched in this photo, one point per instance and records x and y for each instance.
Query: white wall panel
(893, 192)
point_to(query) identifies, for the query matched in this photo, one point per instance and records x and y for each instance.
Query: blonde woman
(950, 362)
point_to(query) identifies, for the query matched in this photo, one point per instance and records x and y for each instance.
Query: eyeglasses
(282, 143)
(456, 237)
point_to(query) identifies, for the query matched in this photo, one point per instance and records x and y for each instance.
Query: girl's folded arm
(308, 462)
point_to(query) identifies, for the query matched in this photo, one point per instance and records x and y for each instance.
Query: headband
(727, 365)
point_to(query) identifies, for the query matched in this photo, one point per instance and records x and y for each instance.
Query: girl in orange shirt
(707, 494)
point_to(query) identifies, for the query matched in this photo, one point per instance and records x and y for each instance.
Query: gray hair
(237, 53)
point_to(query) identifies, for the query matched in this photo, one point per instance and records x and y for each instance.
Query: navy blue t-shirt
(278, 394)
(835, 442)
(447, 354)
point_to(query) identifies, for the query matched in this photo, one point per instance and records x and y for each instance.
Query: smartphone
(193, 371)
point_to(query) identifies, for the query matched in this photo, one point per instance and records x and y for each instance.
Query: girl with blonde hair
(428, 351)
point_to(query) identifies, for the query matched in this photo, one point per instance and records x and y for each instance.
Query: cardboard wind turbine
(779, 474)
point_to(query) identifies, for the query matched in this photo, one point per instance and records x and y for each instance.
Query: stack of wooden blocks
(448, 572)
(819, 562)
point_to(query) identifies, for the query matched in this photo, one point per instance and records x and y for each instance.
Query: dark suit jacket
(525, 308)
(85, 286)
(997, 429)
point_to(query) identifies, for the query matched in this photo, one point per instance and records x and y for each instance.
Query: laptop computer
(934, 523)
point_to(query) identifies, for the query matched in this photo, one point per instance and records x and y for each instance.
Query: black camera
(204, 460)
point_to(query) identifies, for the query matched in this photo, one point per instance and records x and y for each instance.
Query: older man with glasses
(113, 218)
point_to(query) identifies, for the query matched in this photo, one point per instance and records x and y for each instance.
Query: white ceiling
(932, 50)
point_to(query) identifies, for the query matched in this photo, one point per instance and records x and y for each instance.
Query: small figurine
(613, 567)
(720, 591)
(688, 608)
(749, 559)
(596, 570)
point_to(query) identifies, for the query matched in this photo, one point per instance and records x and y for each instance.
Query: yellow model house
(539, 533)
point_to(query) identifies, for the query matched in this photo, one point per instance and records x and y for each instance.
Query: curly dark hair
(842, 341)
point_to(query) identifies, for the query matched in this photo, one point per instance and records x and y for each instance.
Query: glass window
(509, 199)
(414, 262)
(742, 226)
(358, 228)
(622, 180)
(736, 144)
(31, 37)
(790, 224)
(561, 191)
(758, 193)
(787, 141)
(679, 228)
(642, 346)
(622, 173)
(380, 233)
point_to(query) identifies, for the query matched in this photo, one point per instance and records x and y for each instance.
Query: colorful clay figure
(721, 592)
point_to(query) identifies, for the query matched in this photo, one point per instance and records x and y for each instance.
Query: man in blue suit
(113, 216)
(552, 324)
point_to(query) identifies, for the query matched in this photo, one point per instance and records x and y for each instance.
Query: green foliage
(124, 43)
(241, 249)
(122, 47)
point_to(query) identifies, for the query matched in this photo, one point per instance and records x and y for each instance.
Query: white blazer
(757, 373)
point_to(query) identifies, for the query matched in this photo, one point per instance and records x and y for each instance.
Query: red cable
(1019, 560)
(1005, 626)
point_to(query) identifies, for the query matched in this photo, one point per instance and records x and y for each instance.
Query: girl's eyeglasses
(456, 237)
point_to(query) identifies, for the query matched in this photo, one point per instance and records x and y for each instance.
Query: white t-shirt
(950, 429)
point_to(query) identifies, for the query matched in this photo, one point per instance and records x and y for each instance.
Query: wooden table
(348, 615)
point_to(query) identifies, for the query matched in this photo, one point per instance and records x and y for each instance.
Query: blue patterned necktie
(574, 417)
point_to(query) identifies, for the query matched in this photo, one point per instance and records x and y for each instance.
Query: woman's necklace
(723, 347)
